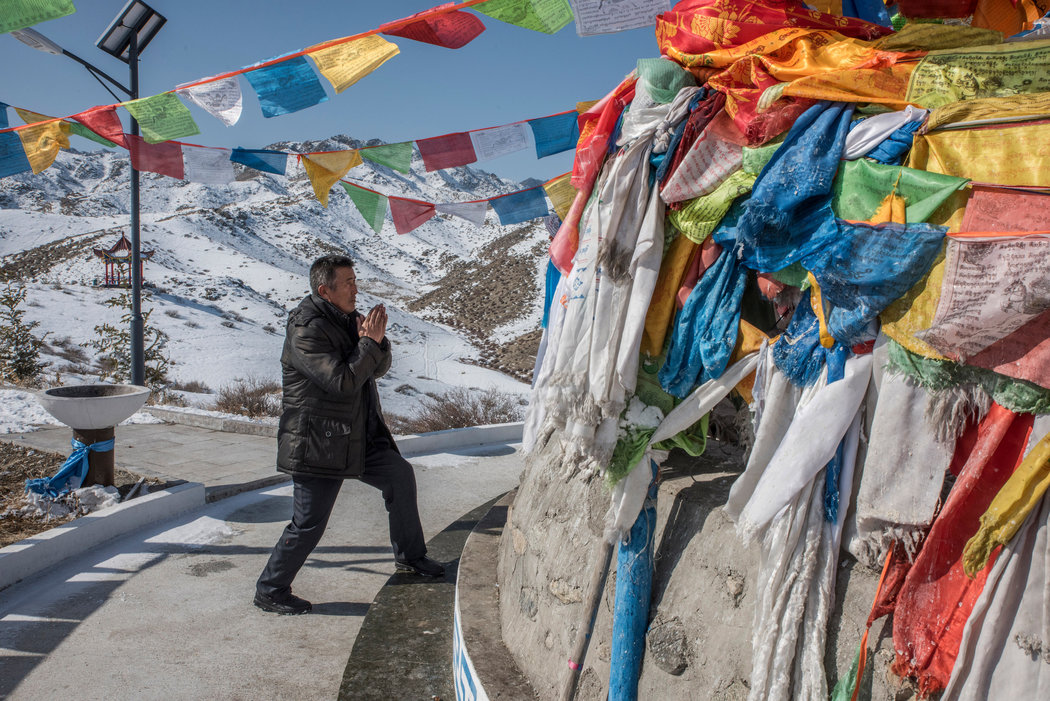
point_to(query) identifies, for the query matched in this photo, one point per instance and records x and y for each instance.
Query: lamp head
(31, 37)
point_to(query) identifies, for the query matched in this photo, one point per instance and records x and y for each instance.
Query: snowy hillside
(229, 261)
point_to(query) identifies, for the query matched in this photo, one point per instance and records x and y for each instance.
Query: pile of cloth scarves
(846, 227)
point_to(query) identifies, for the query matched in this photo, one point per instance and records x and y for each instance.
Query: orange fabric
(1008, 16)
(759, 45)
(662, 304)
(937, 597)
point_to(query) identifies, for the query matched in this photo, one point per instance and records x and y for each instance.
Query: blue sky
(505, 75)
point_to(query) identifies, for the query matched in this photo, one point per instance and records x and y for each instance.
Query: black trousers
(313, 500)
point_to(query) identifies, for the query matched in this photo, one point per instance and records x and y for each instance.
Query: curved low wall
(698, 644)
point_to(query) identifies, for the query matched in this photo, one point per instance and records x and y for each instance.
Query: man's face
(343, 292)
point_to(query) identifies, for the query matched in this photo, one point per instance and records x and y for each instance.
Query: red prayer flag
(164, 158)
(450, 30)
(409, 214)
(447, 151)
(103, 120)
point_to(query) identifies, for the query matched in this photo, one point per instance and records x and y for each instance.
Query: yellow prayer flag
(325, 170)
(31, 117)
(562, 193)
(1022, 493)
(1010, 154)
(582, 107)
(42, 142)
(345, 64)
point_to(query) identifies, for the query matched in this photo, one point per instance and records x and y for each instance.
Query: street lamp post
(125, 38)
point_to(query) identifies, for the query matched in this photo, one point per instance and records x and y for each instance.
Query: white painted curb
(454, 438)
(37, 553)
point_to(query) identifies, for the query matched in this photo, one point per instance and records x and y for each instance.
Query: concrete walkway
(225, 463)
(166, 613)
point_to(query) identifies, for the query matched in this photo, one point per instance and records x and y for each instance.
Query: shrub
(19, 348)
(195, 386)
(250, 397)
(459, 408)
(114, 344)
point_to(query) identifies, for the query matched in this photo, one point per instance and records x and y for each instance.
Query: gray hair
(322, 272)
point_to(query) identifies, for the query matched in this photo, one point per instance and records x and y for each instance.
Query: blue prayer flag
(12, 155)
(555, 134)
(266, 161)
(285, 87)
(4, 124)
(518, 207)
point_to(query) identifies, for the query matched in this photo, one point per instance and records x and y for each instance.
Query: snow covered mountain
(229, 261)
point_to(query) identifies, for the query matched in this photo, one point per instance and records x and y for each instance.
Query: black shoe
(422, 566)
(287, 605)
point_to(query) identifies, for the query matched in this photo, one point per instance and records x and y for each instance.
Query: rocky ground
(481, 295)
(17, 464)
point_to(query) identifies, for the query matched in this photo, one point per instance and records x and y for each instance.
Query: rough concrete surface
(166, 613)
(698, 644)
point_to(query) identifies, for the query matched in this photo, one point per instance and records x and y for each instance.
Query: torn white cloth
(629, 493)
(903, 471)
(1005, 647)
(536, 413)
(871, 132)
(219, 98)
(810, 442)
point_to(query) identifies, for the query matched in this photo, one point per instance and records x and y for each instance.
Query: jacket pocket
(327, 443)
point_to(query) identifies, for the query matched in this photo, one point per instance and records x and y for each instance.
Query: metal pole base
(100, 465)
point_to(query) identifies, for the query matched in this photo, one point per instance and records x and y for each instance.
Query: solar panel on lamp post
(125, 38)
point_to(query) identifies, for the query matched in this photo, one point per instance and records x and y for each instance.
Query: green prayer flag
(396, 156)
(19, 14)
(371, 205)
(547, 16)
(701, 215)
(862, 185)
(663, 79)
(843, 690)
(162, 117)
(81, 130)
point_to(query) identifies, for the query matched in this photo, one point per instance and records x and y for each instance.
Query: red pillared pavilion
(118, 262)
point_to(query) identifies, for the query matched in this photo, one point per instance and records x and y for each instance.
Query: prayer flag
(12, 156)
(547, 16)
(42, 142)
(219, 98)
(267, 161)
(409, 214)
(596, 17)
(33, 117)
(286, 87)
(1001, 70)
(207, 165)
(474, 212)
(371, 205)
(450, 30)
(663, 79)
(499, 141)
(345, 64)
(561, 192)
(164, 158)
(103, 122)
(556, 133)
(3, 116)
(447, 151)
(162, 117)
(397, 156)
(325, 169)
(520, 206)
(19, 14)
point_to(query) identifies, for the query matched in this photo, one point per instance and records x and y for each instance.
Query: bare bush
(250, 397)
(458, 408)
(195, 386)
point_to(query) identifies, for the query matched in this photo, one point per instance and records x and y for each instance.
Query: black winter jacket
(329, 391)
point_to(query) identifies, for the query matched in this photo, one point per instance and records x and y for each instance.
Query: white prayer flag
(499, 141)
(207, 165)
(610, 16)
(220, 98)
(474, 212)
